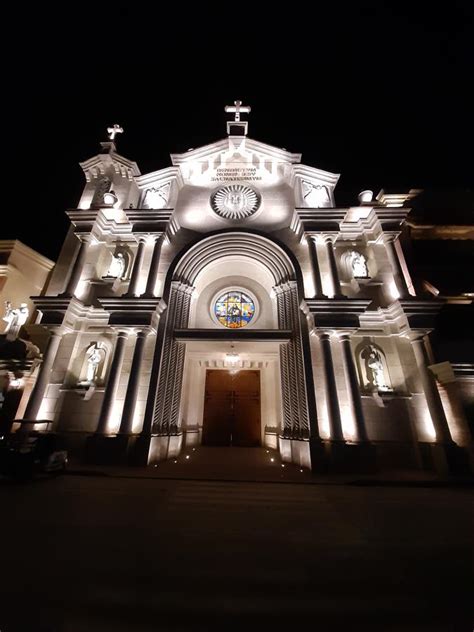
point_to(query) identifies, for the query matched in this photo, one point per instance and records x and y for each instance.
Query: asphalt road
(83, 553)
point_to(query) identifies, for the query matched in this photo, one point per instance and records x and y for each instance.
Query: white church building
(227, 300)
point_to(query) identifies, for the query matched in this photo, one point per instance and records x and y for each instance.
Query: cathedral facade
(227, 300)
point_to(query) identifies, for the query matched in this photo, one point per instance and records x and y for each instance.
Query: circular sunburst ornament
(235, 201)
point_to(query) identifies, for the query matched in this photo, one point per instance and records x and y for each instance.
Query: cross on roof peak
(237, 108)
(113, 131)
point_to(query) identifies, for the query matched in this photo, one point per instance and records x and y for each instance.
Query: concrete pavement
(113, 553)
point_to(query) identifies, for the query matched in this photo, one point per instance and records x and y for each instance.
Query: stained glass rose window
(234, 309)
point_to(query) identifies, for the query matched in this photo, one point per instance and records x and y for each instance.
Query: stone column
(332, 400)
(430, 388)
(77, 266)
(399, 277)
(112, 383)
(313, 257)
(353, 387)
(153, 272)
(333, 271)
(126, 424)
(42, 381)
(137, 267)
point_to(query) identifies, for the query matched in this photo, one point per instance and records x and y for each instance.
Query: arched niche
(372, 366)
(102, 187)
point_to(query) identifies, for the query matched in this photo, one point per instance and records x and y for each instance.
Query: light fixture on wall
(110, 198)
(232, 360)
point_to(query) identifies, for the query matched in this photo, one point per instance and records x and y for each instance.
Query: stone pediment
(241, 159)
(243, 147)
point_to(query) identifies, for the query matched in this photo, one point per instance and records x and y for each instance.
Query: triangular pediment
(242, 159)
(235, 147)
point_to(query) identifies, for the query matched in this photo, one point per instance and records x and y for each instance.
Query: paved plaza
(91, 551)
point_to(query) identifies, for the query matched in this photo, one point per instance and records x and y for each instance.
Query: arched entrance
(262, 269)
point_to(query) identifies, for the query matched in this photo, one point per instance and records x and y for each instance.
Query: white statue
(15, 319)
(375, 370)
(94, 355)
(117, 266)
(359, 265)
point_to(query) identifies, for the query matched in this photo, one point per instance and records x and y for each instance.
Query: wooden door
(232, 409)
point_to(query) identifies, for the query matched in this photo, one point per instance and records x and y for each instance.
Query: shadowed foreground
(117, 553)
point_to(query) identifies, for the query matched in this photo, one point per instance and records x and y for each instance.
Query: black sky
(379, 92)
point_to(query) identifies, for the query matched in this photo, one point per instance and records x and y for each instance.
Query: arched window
(373, 369)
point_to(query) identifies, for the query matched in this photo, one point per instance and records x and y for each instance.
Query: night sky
(378, 92)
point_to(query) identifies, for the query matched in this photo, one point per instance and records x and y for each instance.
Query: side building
(23, 273)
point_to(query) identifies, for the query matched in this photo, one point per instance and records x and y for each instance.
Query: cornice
(161, 176)
(11, 245)
(95, 166)
(204, 152)
(252, 335)
(305, 171)
(335, 313)
(448, 231)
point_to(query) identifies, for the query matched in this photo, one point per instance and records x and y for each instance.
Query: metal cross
(113, 131)
(237, 108)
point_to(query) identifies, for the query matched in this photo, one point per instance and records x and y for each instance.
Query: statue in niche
(95, 355)
(374, 369)
(359, 265)
(117, 267)
(15, 319)
(315, 195)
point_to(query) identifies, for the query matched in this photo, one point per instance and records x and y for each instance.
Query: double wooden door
(232, 409)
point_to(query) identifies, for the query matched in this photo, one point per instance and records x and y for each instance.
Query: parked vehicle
(28, 452)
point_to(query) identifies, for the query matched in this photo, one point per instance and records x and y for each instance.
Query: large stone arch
(299, 409)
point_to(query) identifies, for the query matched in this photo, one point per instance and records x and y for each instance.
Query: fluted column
(153, 272)
(313, 257)
(389, 241)
(77, 266)
(42, 381)
(112, 383)
(333, 271)
(353, 387)
(332, 400)
(126, 424)
(430, 388)
(137, 267)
